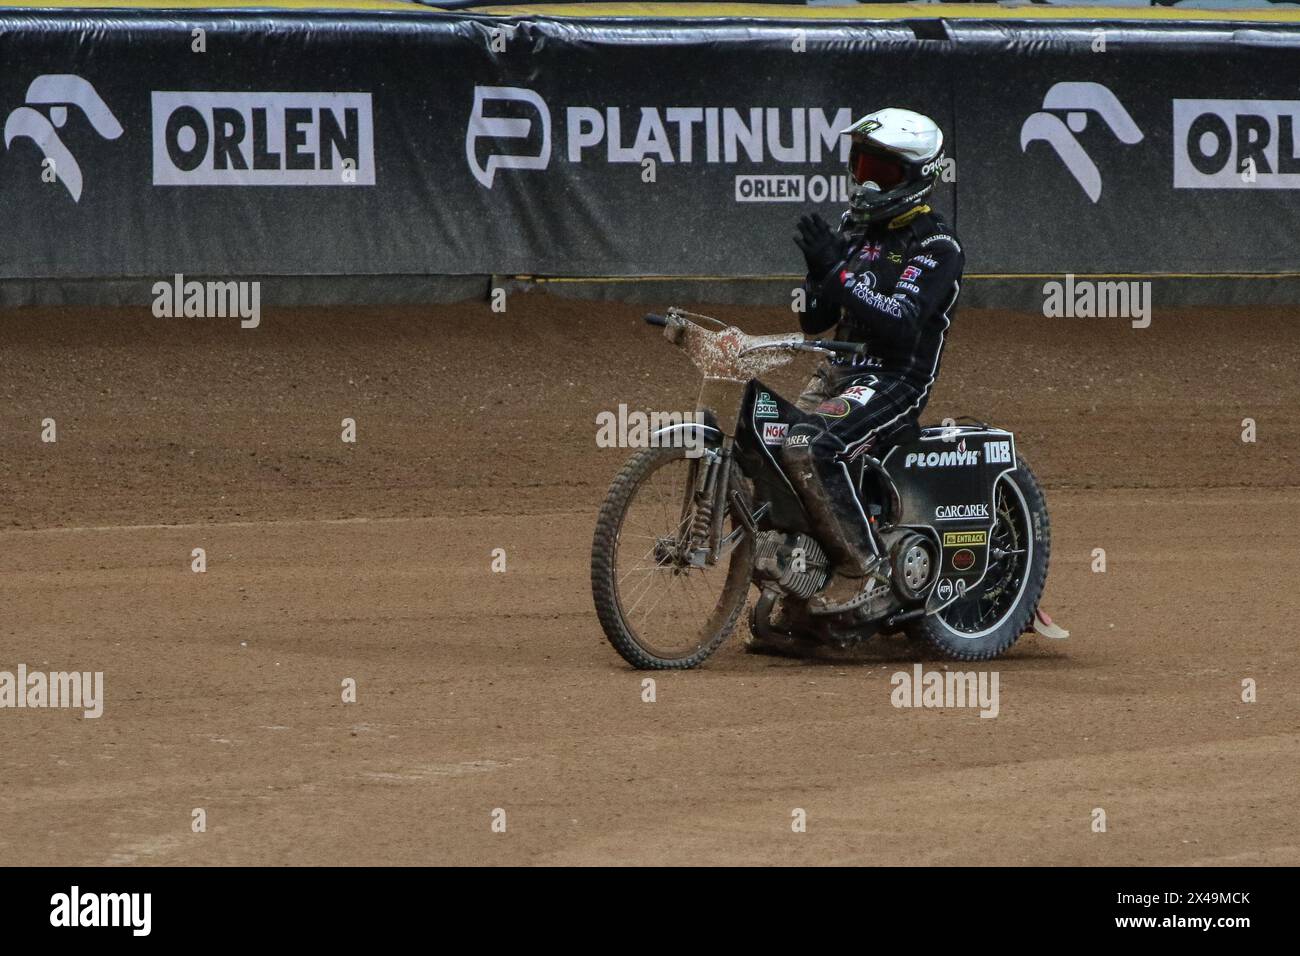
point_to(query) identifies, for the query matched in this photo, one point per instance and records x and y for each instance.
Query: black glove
(822, 248)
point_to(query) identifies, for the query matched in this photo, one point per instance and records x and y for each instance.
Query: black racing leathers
(895, 290)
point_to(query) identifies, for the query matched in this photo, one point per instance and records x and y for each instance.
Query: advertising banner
(372, 145)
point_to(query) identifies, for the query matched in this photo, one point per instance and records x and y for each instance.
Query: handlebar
(814, 345)
(843, 348)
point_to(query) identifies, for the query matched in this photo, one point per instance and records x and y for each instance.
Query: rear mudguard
(946, 477)
(1045, 626)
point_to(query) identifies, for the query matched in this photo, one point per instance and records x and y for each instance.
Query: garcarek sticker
(515, 128)
(1236, 144)
(961, 512)
(262, 139)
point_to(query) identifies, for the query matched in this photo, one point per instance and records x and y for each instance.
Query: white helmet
(894, 162)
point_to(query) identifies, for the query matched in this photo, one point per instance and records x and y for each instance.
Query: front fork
(709, 497)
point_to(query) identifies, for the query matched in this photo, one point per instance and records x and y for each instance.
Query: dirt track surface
(478, 690)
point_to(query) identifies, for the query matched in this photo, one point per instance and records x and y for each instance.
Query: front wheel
(985, 623)
(661, 606)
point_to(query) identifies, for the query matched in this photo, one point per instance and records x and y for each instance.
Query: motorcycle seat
(903, 431)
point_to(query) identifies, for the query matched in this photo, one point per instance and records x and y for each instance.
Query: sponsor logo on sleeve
(833, 408)
(910, 273)
(774, 432)
(765, 406)
(889, 306)
(864, 280)
(941, 237)
(858, 394)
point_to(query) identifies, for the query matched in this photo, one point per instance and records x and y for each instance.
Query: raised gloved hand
(822, 248)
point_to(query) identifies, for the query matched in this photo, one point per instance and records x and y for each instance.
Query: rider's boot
(846, 591)
(839, 522)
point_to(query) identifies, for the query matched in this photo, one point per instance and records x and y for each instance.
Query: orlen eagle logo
(1076, 101)
(499, 127)
(262, 139)
(58, 91)
(1236, 144)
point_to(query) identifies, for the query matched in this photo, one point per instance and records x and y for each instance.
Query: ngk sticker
(774, 432)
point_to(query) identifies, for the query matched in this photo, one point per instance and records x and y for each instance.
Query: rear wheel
(659, 606)
(985, 623)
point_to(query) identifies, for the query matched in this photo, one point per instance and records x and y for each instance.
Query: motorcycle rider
(889, 277)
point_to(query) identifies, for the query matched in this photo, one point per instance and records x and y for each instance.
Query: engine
(794, 562)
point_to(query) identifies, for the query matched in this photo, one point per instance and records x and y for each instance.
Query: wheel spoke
(669, 606)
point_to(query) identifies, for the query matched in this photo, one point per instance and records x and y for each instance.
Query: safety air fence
(371, 149)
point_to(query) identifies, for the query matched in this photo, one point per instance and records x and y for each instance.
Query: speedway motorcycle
(706, 511)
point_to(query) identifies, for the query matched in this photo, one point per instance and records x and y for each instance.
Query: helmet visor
(866, 167)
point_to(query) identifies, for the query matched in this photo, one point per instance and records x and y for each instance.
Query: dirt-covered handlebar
(826, 345)
(809, 345)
